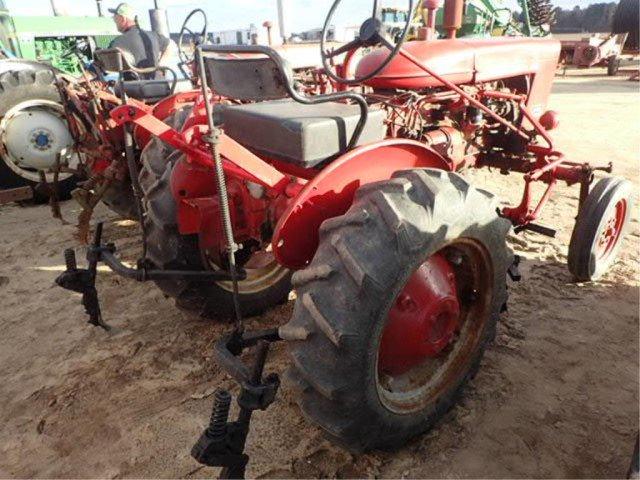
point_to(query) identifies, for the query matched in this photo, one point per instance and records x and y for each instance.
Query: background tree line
(596, 17)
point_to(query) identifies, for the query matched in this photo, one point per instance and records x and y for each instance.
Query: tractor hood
(463, 61)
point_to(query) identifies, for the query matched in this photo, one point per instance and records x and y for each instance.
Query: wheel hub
(41, 139)
(423, 320)
(34, 137)
(610, 233)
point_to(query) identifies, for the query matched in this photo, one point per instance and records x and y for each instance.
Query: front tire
(354, 323)
(600, 226)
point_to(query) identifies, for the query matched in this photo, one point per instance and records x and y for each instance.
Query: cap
(124, 10)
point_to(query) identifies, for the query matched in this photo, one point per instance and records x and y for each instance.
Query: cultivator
(101, 143)
(401, 263)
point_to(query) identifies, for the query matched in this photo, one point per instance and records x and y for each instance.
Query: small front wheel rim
(463, 326)
(611, 231)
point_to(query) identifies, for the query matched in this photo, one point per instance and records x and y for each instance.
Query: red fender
(331, 193)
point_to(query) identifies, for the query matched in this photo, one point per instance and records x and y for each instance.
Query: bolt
(219, 415)
(41, 140)
(405, 303)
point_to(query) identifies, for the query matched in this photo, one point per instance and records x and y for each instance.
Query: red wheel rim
(423, 319)
(611, 231)
(433, 326)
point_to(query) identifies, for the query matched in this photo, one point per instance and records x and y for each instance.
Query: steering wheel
(372, 33)
(196, 39)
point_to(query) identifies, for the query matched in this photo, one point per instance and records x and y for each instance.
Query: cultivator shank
(222, 443)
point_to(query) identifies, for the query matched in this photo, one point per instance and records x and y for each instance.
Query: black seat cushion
(305, 135)
(150, 90)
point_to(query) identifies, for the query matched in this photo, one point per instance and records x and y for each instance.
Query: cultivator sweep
(401, 264)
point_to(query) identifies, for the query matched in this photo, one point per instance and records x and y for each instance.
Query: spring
(220, 414)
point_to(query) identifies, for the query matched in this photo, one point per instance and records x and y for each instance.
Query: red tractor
(400, 263)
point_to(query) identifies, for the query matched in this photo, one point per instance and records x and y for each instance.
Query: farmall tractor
(400, 263)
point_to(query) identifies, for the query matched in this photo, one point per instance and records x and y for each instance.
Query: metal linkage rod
(129, 152)
(213, 139)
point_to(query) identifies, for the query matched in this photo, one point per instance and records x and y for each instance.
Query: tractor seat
(149, 90)
(305, 135)
(140, 83)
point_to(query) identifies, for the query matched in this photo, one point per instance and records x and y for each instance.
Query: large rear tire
(21, 93)
(349, 360)
(120, 199)
(167, 249)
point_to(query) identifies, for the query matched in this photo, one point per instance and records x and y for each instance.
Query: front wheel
(397, 307)
(600, 226)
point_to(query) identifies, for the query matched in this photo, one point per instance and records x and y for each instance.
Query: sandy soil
(557, 395)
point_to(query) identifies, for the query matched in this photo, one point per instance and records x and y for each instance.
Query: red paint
(452, 17)
(612, 230)
(469, 61)
(423, 319)
(239, 160)
(331, 192)
(163, 110)
(550, 120)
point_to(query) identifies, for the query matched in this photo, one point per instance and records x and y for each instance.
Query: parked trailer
(599, 49)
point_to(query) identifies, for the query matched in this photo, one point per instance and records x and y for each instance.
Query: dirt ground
(557, 394)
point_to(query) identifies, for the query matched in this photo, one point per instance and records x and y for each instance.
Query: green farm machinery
(482, 18)
(49, 39)
(33, 130)
(492, 17)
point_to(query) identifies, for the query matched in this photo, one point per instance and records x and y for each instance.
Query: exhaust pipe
(159, 20)
(453, 13)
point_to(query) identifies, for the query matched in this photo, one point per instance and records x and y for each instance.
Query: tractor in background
(481, 18)
(401, 264)
(33, 131)
(48, 39)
